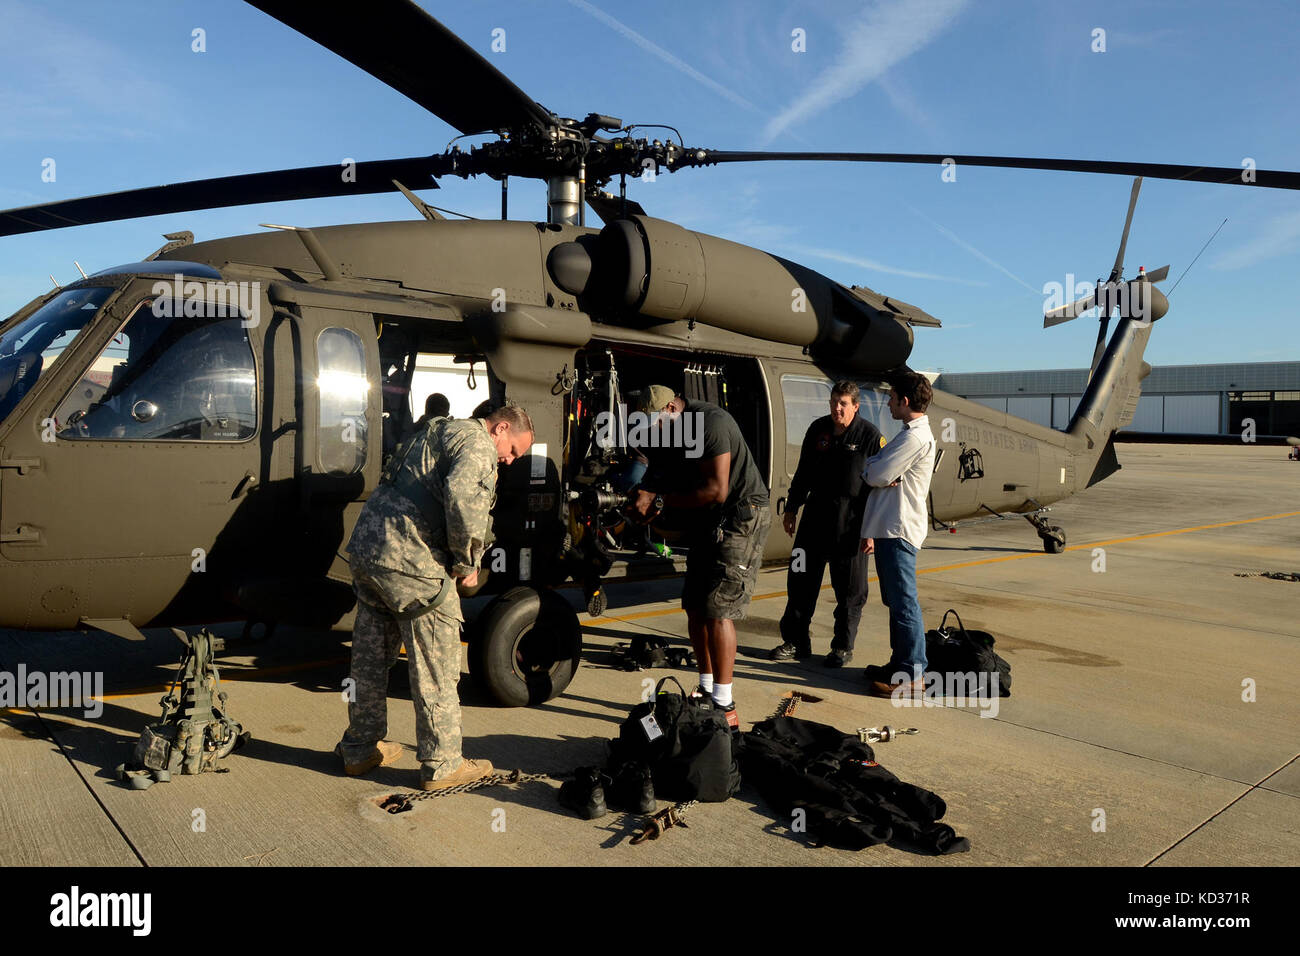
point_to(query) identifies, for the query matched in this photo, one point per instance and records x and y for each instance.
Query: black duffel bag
(959, 651)
(688, 746)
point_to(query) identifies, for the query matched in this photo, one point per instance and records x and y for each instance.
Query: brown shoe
(467, 772)
(385, 753)
(905, 690)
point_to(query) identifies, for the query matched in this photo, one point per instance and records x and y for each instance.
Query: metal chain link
(1274, 575)
(401, 802)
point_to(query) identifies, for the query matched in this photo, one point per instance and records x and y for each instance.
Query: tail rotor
(1137, 298)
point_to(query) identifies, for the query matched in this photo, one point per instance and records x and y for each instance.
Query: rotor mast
(564, 197)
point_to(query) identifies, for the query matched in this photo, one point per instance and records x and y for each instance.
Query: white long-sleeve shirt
(899, 511)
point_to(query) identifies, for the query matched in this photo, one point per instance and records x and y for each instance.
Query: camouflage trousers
(433, 662)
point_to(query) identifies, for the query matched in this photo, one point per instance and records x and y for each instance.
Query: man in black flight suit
(828, 480)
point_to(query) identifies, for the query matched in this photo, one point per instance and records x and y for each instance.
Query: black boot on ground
(633, 789)
(585, 793)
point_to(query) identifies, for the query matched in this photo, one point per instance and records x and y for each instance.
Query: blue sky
(114, 93)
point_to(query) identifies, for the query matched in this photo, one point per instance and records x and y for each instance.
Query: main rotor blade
(1272, 179)
(310, 182)
(397, 42)
(1118, 270)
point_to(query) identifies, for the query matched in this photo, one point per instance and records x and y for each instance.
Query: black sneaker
(838, 657)
(585, 793)
(633, 789)
(791, 652)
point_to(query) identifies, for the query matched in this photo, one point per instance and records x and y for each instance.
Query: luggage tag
(651, 727)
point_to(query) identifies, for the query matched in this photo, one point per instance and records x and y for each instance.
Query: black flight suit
(828, 486)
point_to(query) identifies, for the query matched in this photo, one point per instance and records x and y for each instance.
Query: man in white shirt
(894, 527)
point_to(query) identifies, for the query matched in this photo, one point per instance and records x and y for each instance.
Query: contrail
(949, 234)
(663, 54)
(876, 266)
(890, 32)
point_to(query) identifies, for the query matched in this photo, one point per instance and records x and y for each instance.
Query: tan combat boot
(467, 772)
(385, 753)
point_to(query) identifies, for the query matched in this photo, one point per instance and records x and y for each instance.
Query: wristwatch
(659, 505)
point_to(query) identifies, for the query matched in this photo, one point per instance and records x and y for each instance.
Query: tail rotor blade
(1159, 275)
(1118, 270)
(1065, 313)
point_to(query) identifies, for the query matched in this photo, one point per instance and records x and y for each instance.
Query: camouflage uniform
(424, 526)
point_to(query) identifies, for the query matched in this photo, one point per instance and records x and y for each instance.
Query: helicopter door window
(873, 405)
(806, 400)
(165, 377)
(30, 348)
(344, 394)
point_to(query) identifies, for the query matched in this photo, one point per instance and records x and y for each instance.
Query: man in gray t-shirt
(702, 464)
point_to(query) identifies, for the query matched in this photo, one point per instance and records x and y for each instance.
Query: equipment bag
(685, 742)
(959, 651)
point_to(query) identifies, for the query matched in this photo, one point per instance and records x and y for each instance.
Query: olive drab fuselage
(195, 441)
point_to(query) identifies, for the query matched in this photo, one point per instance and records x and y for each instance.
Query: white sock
(722, 694)
(706, 683)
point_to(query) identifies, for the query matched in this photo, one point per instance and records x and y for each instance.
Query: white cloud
(65, 83)
(1279, 236)
(887, 33)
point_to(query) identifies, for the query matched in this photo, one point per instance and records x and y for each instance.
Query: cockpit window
(166, 377)
(29, 349)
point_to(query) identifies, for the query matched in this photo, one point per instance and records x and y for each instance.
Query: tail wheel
(526, 647)
(1054, 540)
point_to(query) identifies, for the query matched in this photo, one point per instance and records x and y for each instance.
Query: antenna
(79, 269)
(314, 249)
(1198, 255)
(55, 281)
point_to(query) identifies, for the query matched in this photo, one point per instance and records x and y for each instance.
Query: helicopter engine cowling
(660, 270)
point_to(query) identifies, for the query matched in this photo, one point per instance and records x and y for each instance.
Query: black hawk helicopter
(190, 438)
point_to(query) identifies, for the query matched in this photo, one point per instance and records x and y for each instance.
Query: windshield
(31, 348)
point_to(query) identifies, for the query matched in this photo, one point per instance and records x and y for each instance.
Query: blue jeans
(896, 568)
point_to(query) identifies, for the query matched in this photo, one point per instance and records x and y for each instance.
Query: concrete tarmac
(1152, 720)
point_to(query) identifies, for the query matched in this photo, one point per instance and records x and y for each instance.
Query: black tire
(1054, 540)
(525, 647)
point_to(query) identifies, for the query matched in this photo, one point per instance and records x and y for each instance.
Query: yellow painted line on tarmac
(262, 673)
(641, 615)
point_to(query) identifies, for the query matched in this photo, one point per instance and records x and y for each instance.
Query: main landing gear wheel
(526, 647)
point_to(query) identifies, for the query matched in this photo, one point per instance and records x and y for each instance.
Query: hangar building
(1189, 399)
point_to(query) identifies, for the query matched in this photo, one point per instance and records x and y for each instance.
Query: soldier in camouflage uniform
(422, 530)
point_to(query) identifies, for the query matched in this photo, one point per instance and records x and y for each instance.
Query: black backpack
(691, 757)
(964, 652)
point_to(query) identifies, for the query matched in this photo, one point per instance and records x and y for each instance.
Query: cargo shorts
(721, 575)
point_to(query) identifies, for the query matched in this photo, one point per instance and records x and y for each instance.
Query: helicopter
(191, 437)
